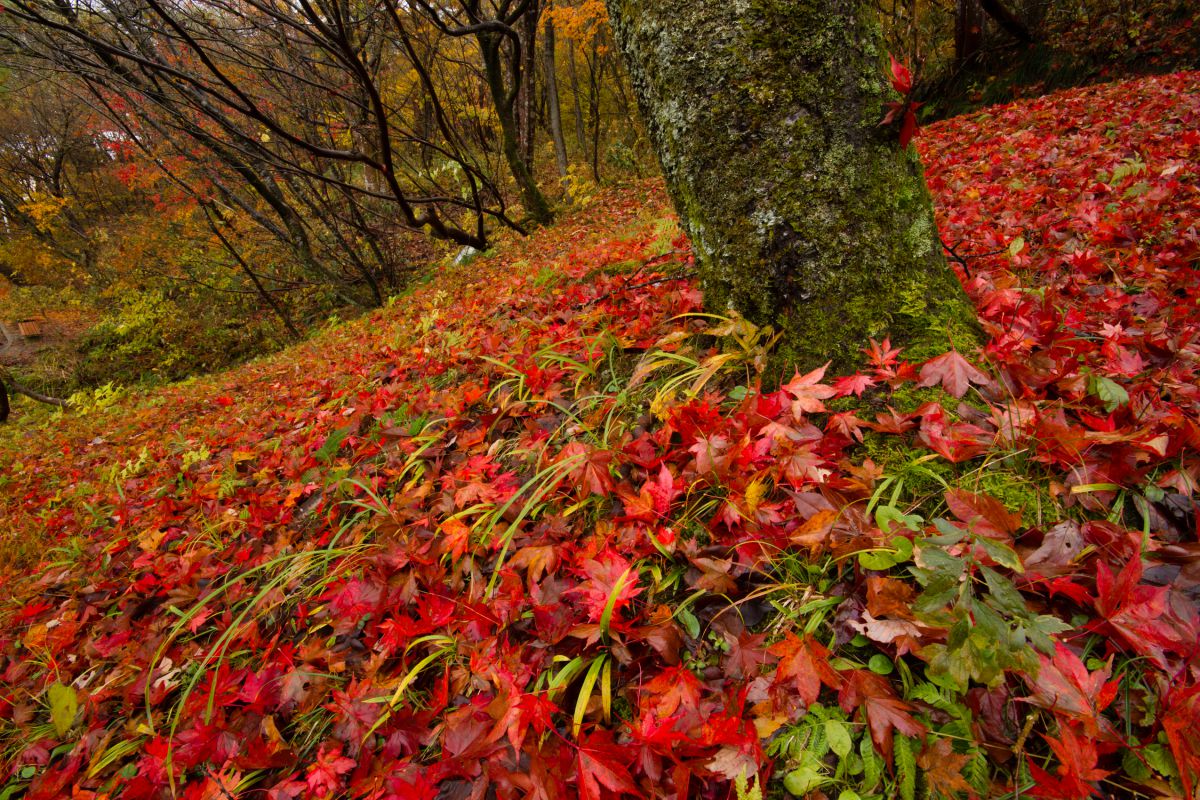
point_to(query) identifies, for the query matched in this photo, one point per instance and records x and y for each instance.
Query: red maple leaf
(956, 441)
(986, 515)
(846, 423)
(661, 490)
(953, 372)
(354, 714)
(653, 500)
(854, 384)
(885, 711)
(1077, 757)
(1140, 614)
(324, 776)
(807, 392)
(901, 76)
(609, 576)
(1181, 710)
(592, 471)
(1065, 686)
(601, 763)
(882, 355)
(803, 667)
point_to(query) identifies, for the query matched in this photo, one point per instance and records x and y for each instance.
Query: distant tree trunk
(11, 274)
(968, 31)
(553, 109)
(573, 77)
(529, 26)
(4, 409)
(504, 99)
(595, 79)
(266, 296)
(804, 213)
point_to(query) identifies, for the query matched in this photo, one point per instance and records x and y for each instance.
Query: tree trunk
(266, 296)
(804, 213)
(553, 109)
(595, 78)
(573, 77)
(504, 100)
(529, 26)
(17, 388)
(968, 31)
(11, 274)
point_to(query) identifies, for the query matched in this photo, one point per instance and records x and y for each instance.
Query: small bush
(156, 338)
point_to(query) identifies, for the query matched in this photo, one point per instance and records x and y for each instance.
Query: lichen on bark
(803, 211)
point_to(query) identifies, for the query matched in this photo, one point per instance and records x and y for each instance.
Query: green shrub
(156, 338)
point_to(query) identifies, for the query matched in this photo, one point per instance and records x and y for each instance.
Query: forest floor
(1153, 38)
(58, 334)
(534, 531)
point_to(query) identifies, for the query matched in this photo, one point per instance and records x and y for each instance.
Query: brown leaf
(538, 560)
(815, 530)
(943, 768)
(746, 655)
(886, 631)
(888, 597)
(1059, 547)
(884, 710)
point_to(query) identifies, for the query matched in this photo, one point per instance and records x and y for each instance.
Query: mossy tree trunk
(803, 211)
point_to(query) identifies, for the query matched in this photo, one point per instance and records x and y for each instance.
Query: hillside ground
(536, 530)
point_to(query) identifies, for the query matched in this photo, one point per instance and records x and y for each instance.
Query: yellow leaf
(64, 705)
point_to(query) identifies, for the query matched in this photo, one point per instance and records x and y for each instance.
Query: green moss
(1018, 493)
(900, 460)
(908, 398)
(548, 277)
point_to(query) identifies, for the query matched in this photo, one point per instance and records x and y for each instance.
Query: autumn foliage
(535, 531)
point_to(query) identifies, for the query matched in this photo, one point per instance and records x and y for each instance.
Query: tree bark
(266, 296)
(529, 26)
(504, 99)
(16, 388)
(968, 31)
(804, 213)
(11, 274)
(573, 77)
(553, 107)
(595, 79)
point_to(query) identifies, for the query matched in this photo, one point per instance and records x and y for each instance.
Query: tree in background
(505, 34)
(307, 112)
(59, 196)
(804, 212)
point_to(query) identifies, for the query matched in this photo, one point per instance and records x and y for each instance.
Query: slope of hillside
(533, 531)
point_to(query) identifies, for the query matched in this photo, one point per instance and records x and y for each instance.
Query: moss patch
(899, 460)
